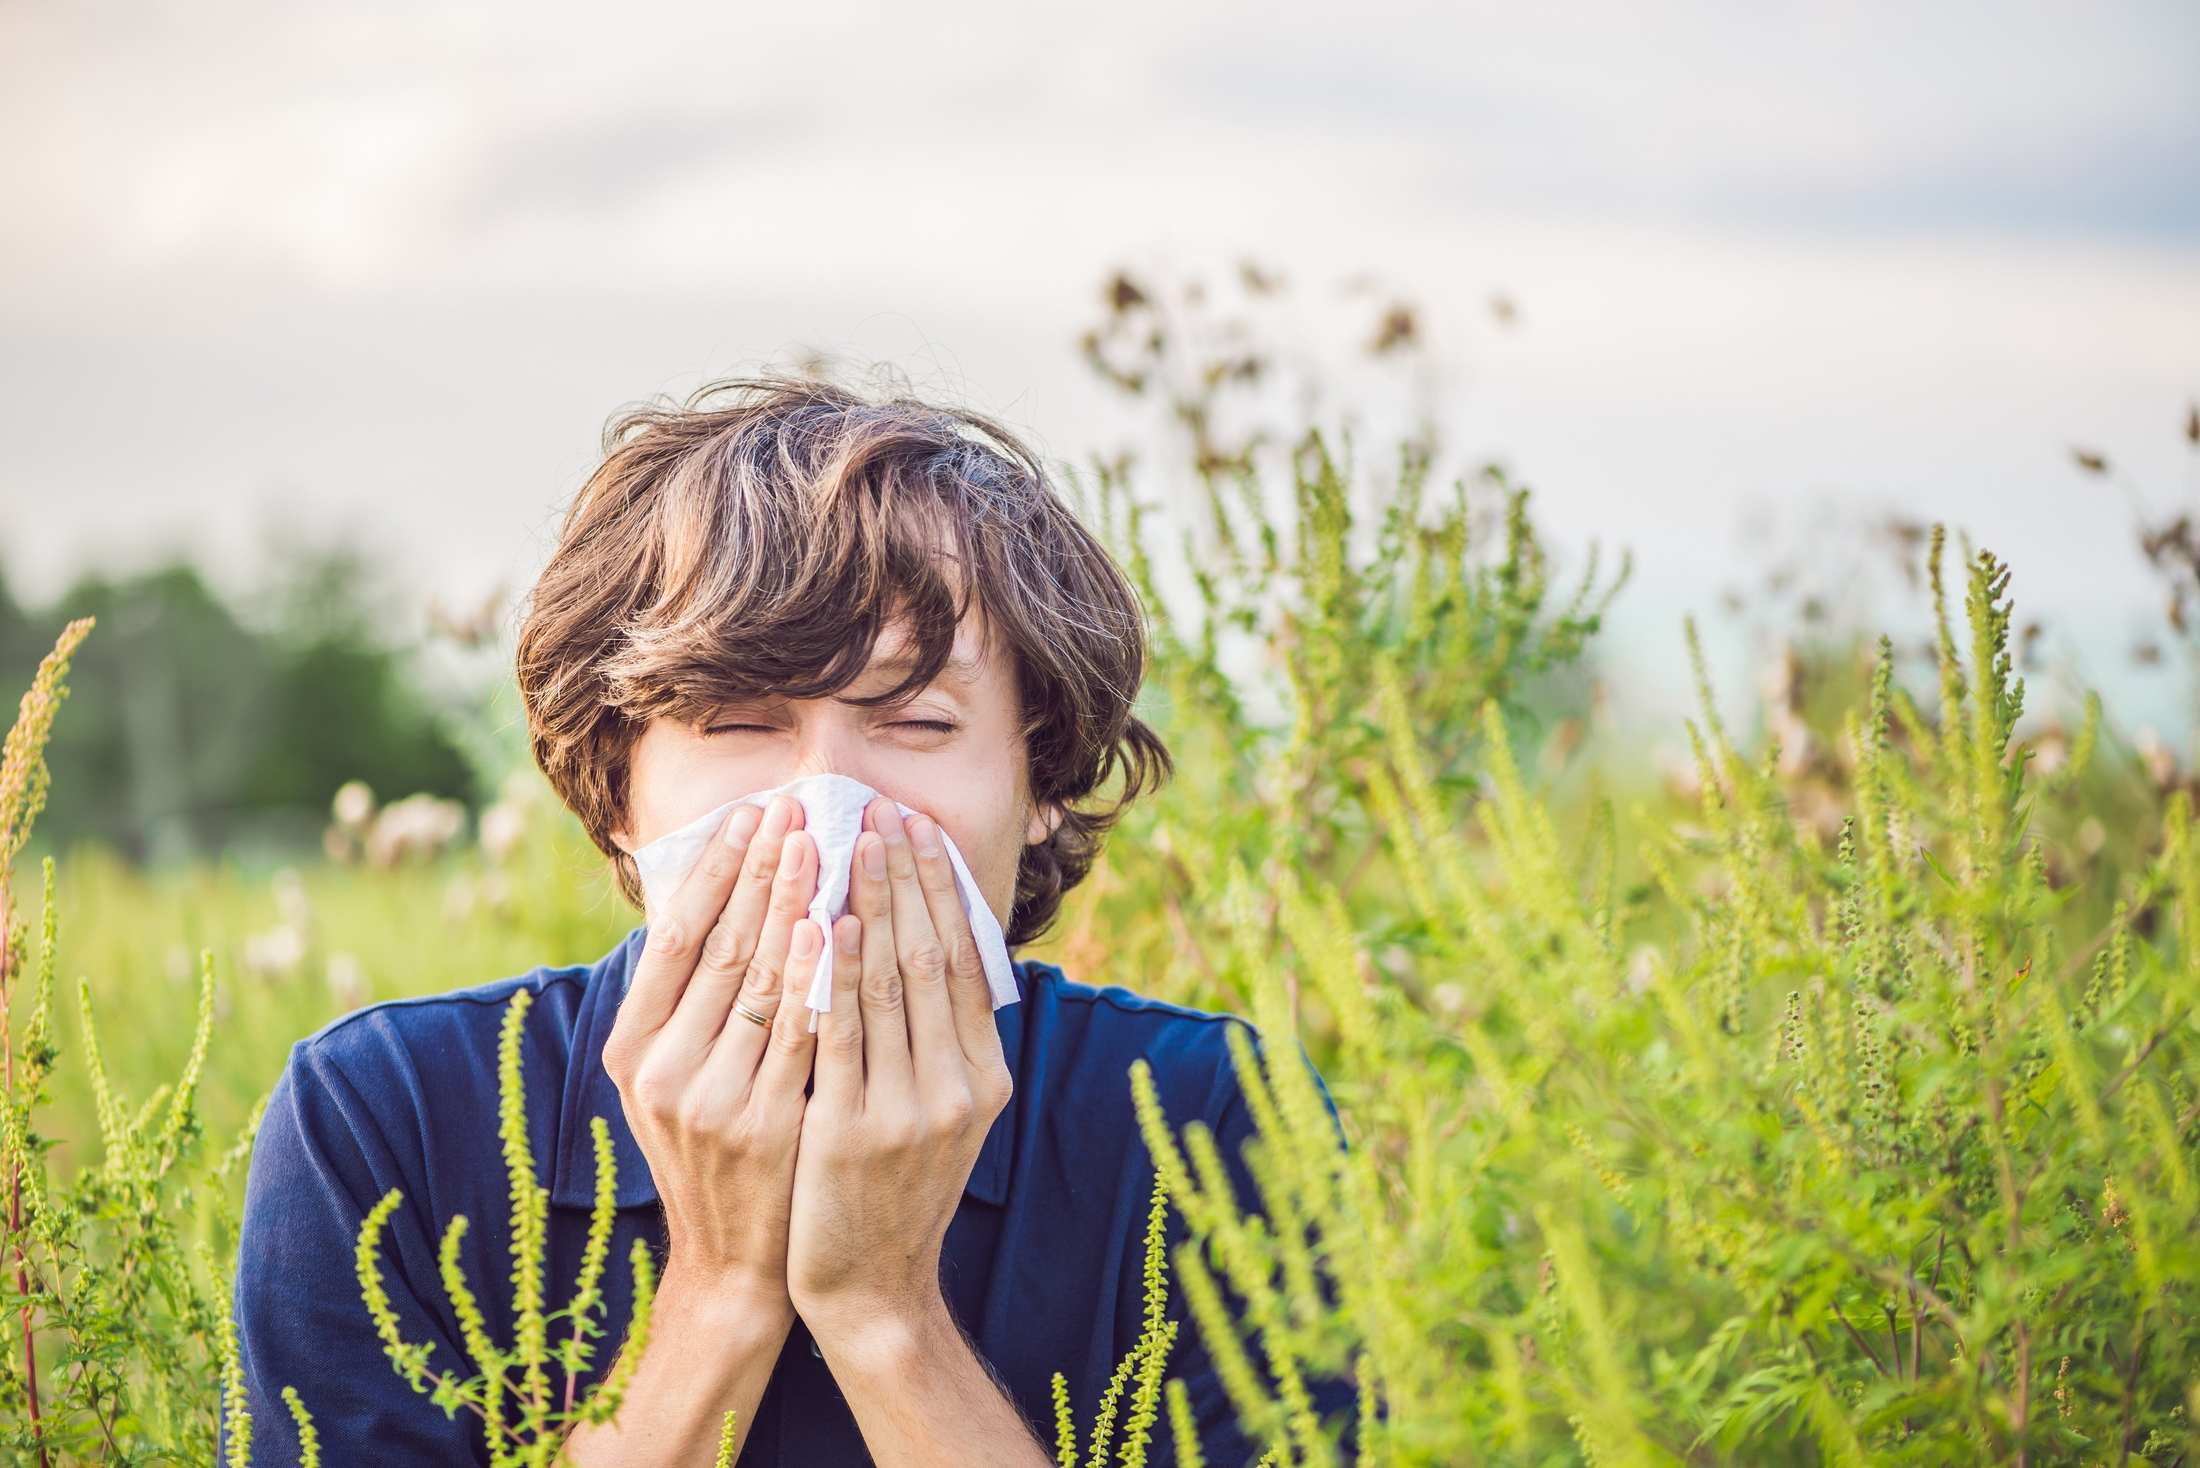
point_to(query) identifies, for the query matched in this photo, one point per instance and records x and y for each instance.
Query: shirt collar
(588, 1091)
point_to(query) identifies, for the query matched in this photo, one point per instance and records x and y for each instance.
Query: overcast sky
(390, 268)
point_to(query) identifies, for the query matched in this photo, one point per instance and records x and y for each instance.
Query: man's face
(969, 777)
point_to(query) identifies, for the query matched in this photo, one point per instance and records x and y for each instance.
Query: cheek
(673, 782)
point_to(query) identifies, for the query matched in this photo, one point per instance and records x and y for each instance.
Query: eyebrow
(960, 673)
(957, 669)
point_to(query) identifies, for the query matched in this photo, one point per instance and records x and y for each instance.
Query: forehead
(967, 664)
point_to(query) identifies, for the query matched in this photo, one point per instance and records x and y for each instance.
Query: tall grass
(1879, 1149)
(1745, 1129)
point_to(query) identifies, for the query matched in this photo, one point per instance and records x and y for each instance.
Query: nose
(827, 748)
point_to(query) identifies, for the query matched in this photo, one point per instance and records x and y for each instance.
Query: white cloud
(397, 263)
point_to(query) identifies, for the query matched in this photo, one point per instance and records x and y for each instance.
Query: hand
(908, 1079)
(715, 1100)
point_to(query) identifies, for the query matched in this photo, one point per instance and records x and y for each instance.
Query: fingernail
(805, 938)
(849, 931)
(926, 835)
(874, 859)
(778, 817)
(741, 825)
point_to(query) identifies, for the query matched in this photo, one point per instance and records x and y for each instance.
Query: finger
(969, 995)
(739, 1047)
(785, 1068)
(887, 1075)
(838, 1073)
(786, 1062)
(732, 943)
(675, 936)
(923, 957)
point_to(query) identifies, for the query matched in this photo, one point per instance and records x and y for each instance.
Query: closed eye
(937, 726)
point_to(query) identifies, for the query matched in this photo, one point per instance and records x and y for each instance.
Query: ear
(1044, 819)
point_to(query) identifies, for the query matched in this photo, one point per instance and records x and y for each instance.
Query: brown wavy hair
(755, 540)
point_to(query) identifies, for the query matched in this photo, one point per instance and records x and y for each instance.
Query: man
(876, 1242)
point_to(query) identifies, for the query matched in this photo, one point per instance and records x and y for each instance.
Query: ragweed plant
(117, 1275)
(1143, 1362)
(1886, 1152)
(1725, 1133)
(1315, 565)
(511, 1390)
(123, 1276)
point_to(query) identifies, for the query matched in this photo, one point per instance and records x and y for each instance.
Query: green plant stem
(15, 1174)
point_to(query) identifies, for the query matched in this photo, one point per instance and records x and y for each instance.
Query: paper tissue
(832, 811)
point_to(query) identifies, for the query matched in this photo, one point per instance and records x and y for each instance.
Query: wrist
(722, 1305)
(874, 1336)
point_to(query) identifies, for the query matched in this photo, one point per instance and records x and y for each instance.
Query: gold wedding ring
(741, 1007)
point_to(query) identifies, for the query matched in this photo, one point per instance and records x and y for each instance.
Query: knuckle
(962, 955)
(656, 1091)
(764, 976)
(957, 1110)
(926, 960)
(845, 1040)
(791, 1035)
(672, 937)
(882, 990)
(720, 862)
(722, 950)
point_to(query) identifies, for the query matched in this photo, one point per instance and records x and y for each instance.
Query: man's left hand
(908, 1079)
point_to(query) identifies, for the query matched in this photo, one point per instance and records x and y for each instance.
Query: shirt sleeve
(319, 1162)
(1223, 1443)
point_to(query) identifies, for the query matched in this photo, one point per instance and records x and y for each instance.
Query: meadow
(1831, 1101)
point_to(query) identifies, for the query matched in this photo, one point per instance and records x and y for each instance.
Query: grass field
(1832, 1101)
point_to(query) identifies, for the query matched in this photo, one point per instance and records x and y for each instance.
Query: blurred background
(311, 317)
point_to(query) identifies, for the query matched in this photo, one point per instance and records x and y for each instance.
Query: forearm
(923, 1398)
(708, 1352)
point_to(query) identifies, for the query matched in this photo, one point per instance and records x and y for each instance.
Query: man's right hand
(714, 1099)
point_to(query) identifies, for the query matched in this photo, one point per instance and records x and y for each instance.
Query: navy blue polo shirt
(1042, 1262)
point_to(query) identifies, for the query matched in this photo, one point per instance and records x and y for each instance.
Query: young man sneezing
(833, 682)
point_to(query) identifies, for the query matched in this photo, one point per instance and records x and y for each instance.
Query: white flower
(275, 953)
(419, 826)
(353, 805)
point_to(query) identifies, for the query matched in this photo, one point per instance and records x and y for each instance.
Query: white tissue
(832, 813)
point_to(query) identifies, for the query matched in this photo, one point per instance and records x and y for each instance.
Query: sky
(1780, 270)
